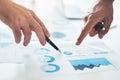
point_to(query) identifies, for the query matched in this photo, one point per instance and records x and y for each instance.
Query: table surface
(49, 10)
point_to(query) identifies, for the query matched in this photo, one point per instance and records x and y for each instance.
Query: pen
(52, 44)
(98, 26)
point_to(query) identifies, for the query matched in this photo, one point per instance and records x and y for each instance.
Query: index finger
(41, 23)
(88, 27)
(38, 30)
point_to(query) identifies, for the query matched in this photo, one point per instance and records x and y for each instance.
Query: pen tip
(59, 51)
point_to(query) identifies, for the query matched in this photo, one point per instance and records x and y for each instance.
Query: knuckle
(23, 19)
(31, 11)
(15, 29)
(37, 28)
(28, 15)
(91, 18)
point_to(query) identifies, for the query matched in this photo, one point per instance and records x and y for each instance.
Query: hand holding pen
(52, 44)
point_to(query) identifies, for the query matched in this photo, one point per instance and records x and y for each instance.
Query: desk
(48, 13)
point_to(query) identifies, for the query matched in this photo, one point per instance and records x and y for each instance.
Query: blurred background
(64, 20)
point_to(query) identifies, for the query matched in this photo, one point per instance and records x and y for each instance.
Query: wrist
(4, 8)
(4, 4)
(107, 1)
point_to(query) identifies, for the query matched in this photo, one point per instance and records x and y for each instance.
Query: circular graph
(46, 59)
(67, 53)
(42, 51)
(58, 35)
(50, 68)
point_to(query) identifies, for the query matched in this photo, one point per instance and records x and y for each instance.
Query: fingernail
(24, 44)
(17, 41)
(101, 36)
(43, 44)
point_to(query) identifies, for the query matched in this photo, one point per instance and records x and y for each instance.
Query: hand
(22, 20)
(102, 12)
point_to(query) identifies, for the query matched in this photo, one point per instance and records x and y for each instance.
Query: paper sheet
(45, 61)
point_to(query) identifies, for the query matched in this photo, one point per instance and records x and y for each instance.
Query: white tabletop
(50, 11)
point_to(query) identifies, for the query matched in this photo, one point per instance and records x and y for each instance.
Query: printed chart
(47, 61)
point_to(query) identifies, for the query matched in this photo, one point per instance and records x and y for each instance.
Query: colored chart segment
(67, 53)
(46, 59)
(50, 68)
(89, 63)
(42, 51)
(58, 35)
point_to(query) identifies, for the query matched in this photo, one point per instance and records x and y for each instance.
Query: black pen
(52, 44)
(98, 26)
